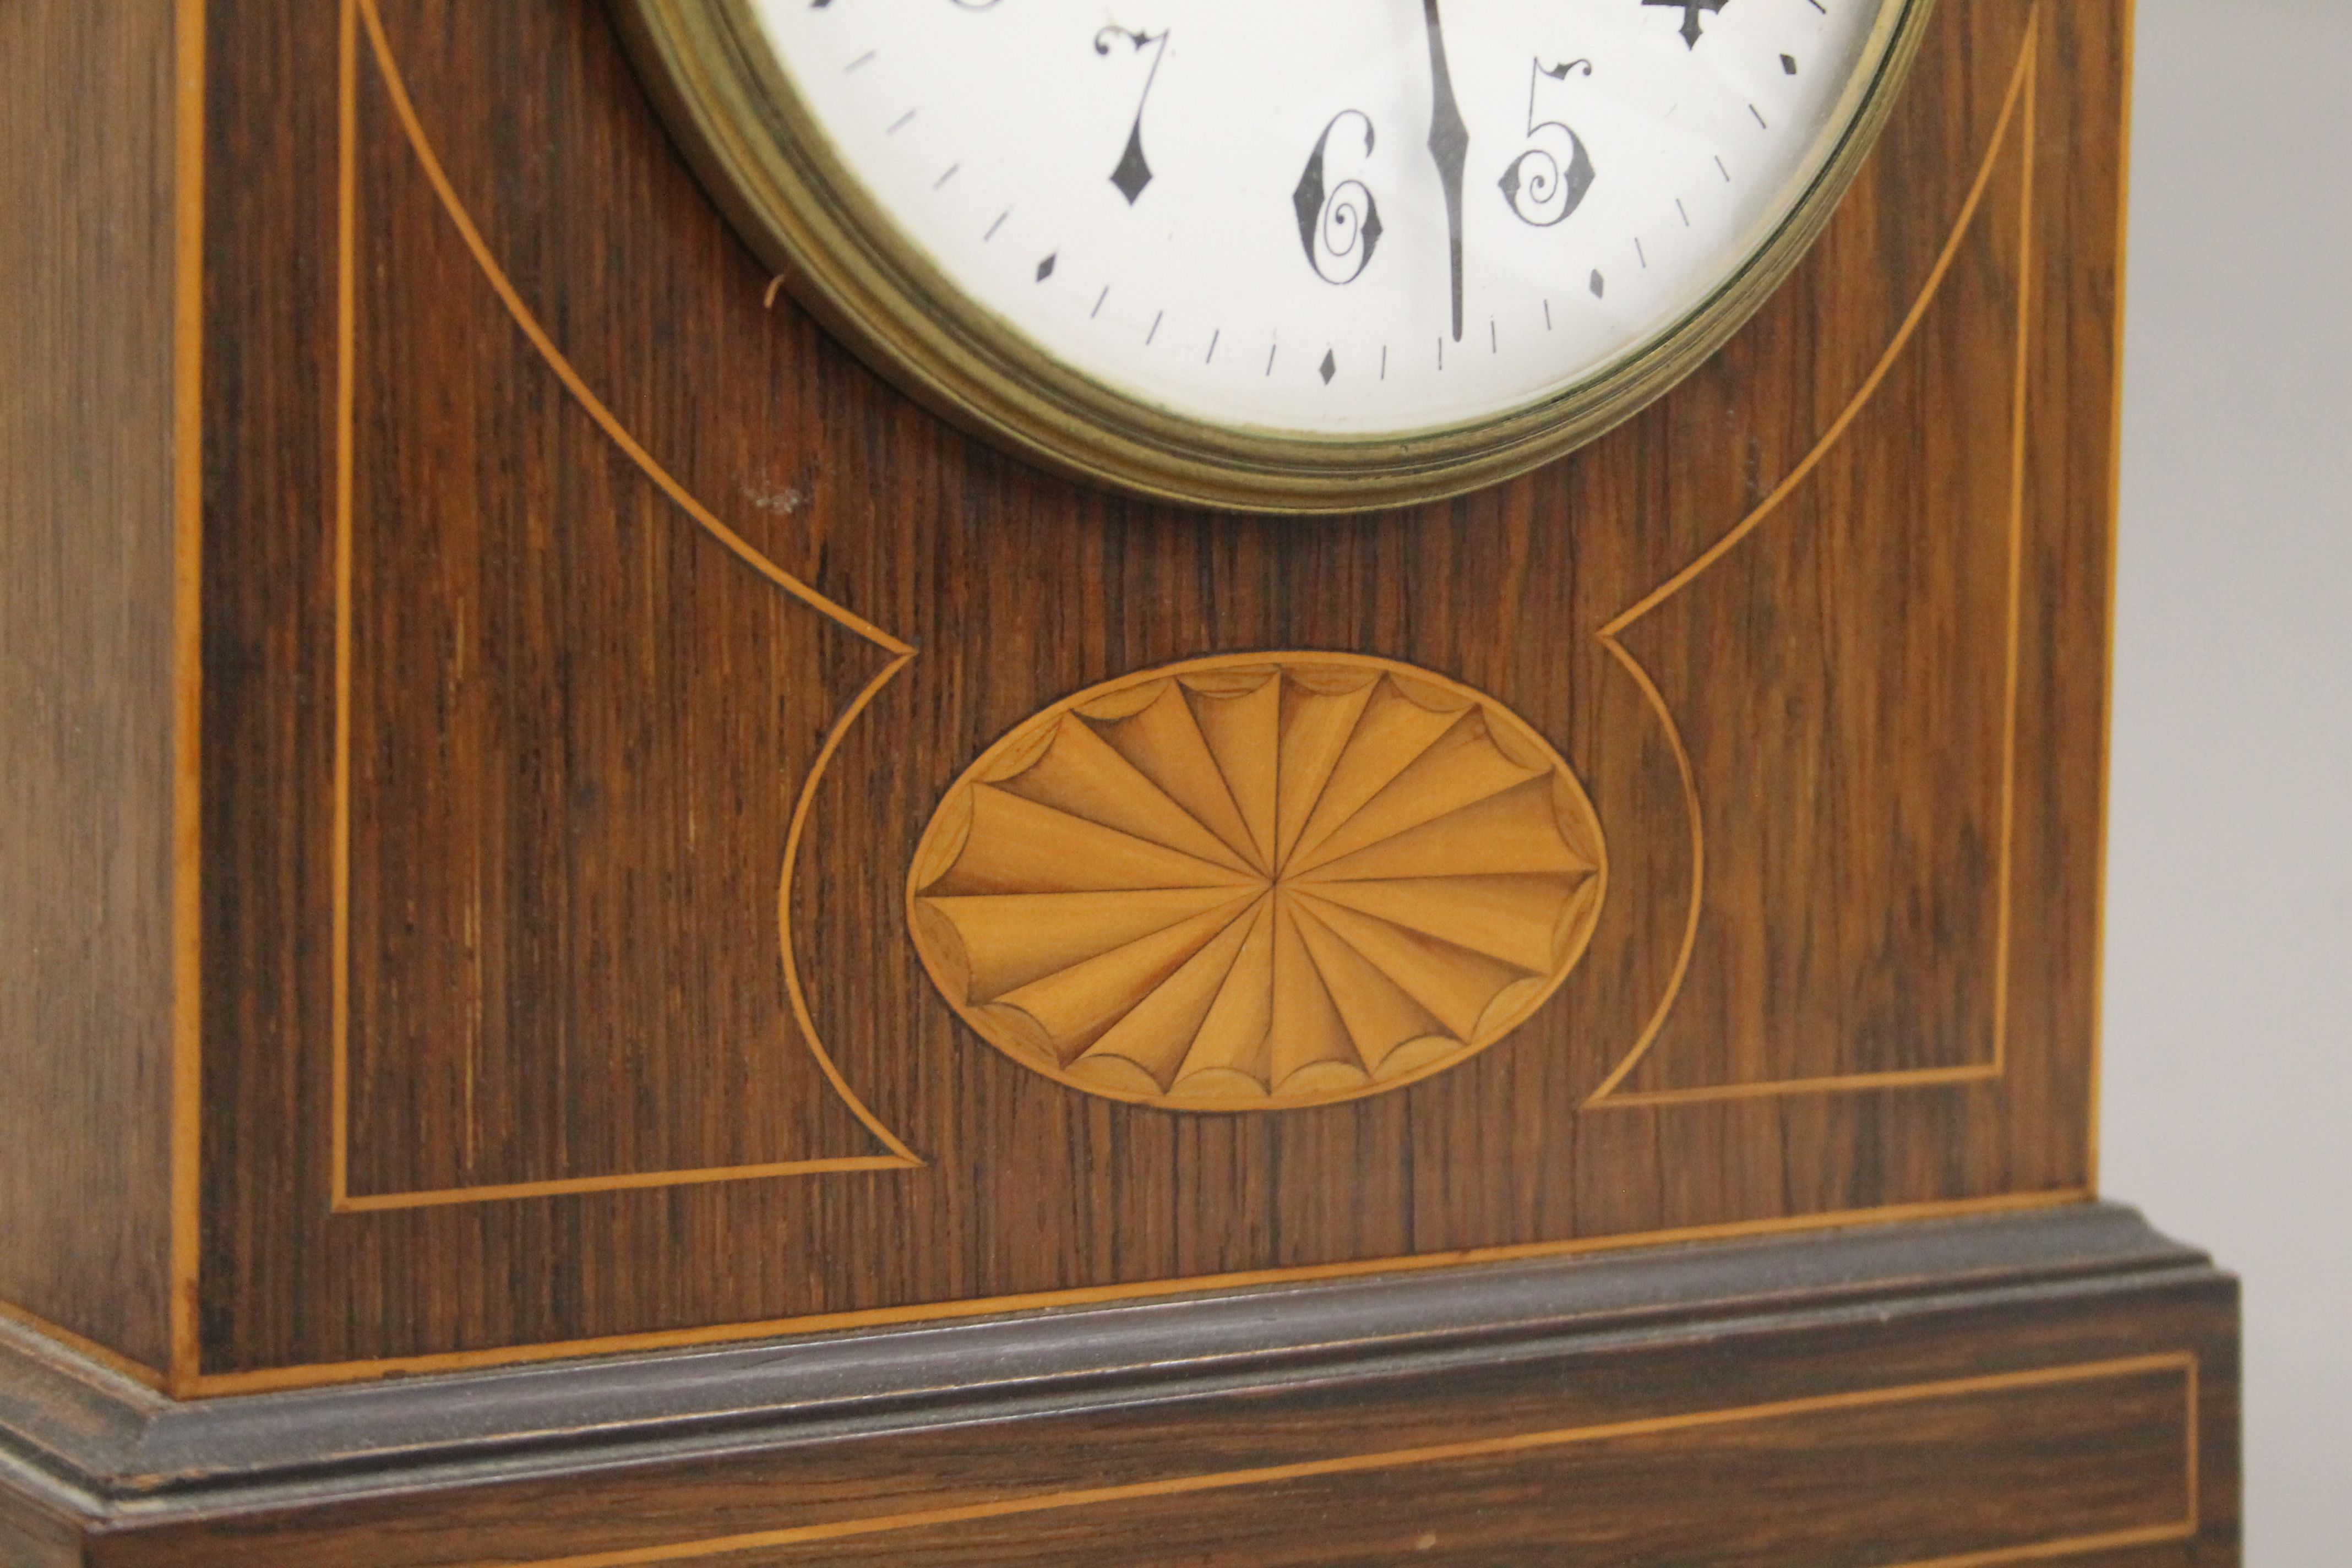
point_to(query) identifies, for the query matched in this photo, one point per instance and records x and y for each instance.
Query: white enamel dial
(1352, 218)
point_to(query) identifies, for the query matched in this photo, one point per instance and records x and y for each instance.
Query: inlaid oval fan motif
(1257, 882)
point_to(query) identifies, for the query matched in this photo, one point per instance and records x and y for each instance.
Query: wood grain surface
(2055, 1387)
(89, 182)
(596, 637)
(588, 644)
(1908, 1473)
(34, 1537)
(588, 640)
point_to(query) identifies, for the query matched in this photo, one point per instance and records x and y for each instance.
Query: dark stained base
(2054, 1386)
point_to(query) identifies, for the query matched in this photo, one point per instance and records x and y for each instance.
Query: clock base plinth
(2037, 1386)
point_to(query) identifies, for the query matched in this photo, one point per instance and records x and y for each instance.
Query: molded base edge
(1894, 1386)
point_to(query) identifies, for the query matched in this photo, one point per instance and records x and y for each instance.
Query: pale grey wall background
(2228, 1086)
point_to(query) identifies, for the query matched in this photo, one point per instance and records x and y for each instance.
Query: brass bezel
(771, 169)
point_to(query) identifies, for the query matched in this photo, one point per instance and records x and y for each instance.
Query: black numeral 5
(1541, 189)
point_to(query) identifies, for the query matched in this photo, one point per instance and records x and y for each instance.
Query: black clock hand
(1449, 144)
(1690, 10)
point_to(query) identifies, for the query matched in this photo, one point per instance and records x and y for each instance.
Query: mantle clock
(978, 781)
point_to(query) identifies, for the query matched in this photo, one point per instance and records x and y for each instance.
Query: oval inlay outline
(1257, 881)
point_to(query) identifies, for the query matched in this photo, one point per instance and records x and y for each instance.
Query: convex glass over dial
(1274, 234)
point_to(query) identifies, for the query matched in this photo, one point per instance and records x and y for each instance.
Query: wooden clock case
(479, 665)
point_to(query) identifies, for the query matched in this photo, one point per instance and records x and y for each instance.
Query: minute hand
(1449, 144)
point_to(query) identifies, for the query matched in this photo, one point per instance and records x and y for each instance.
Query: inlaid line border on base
(2186, 1528)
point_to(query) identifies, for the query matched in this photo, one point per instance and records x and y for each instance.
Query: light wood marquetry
(2016, 122)
(365, 46)
(1258, 883)
(569, 647)
(2165, 1493)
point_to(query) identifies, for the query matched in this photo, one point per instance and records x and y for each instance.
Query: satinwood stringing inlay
(1257, 882)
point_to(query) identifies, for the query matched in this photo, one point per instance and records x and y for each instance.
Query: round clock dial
(1322, 254)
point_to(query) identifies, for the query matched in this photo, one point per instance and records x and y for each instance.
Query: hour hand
(1690, 9)
(1449, 144)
